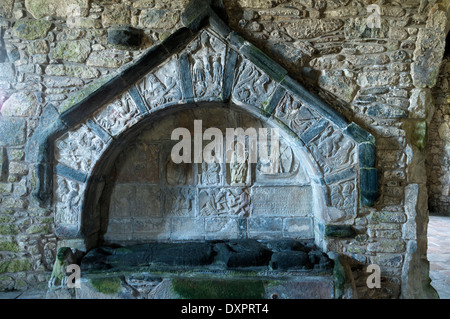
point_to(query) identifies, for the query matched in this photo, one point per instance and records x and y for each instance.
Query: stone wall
(438, 160)
(55, 52)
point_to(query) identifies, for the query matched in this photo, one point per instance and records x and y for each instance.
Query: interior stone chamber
(107, 172)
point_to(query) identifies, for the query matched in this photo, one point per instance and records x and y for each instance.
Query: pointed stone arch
(205, 62)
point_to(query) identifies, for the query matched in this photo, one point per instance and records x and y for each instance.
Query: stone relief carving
(118, 116)
(162, 87)
(207, 58)
(344, 196)
(296, 116)
(239, 166)
(79, 149)
(180, 202)
(231, 202)
(211, 174)
(69, 200)
(252, 85)
(286, 166)
(333, 151)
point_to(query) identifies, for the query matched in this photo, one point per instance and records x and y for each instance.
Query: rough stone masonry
(392, 81)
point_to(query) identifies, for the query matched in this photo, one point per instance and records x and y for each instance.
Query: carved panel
(285, 169)
(162, 87)
(118, 116)
(295, 115)
(207, 55)
(211, 174)
(79, 149)
(252, 86)
(333, 151)
(179, 202)
(69, 198)
(344, 196)
(224, 202)
(281, 201)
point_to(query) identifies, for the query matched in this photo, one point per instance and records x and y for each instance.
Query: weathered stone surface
(242, 253)
(126, 37)
(7, 71)
(377, 78)
(116, 14)
(339, 84)
(158, 19)
(31, 29)
(279, 204)
(6, 7)
(76, 71)
(311, 288)
(20, 104)
(108, 59)
(311, 28)
(60, 8)
(427, 57)
(38, 47)
(359, 28)
(73, 51)
(12, 131)
(421, 104)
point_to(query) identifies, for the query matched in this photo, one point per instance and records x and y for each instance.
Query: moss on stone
(8, 245)
(83, 93)
(107, 286)
(6, 219)
(15, 265)
(218, 288)
(31, 29)
(38, 229)
(419, 135)
(8, 229)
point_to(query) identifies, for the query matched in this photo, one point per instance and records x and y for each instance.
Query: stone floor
(439, 254)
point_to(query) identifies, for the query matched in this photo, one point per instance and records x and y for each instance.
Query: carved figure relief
(79, 149)
(118, 116)
(333, 151)
(252, 86)
(239, 166)
(225, 201)
(211, 174)
(207, 57)
(180, 202)
(343, 196)
(295, 115)
(162, 87)
(287, 164)
(69, 200)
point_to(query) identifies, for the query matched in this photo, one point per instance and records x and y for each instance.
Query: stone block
(125, 37)
(6, 7)
(60, 8)
(72, 51)
(368, 186)
(306, 288)
(339, 231)
(299, 228)
(12, 131)
(185, 228)
(277, 201)
(31, 29)
(366, 155)
(158, 19)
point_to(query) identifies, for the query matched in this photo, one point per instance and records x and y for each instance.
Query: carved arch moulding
(204, 62)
